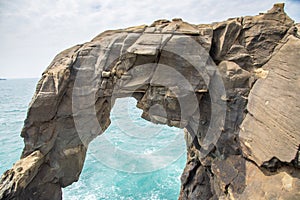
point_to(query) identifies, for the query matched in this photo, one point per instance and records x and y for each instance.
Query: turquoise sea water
(133, 159)
(15, 96)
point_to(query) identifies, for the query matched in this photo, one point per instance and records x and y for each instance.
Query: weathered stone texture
(273, 108)
(232, 86)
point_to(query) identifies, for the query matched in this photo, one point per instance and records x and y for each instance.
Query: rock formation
(232, 86)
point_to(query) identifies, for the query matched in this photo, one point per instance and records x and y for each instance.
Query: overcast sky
(32, 32)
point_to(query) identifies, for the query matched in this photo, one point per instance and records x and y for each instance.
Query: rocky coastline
(232, 86)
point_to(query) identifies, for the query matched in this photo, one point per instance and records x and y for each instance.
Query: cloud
(32, 32)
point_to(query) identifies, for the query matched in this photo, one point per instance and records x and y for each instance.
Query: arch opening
(140, 163)
(168, 81)
(56, 135)
(169, 84)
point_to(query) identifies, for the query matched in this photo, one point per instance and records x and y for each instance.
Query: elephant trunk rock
(232, 86)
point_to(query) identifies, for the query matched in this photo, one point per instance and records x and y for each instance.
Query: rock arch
(170, 65)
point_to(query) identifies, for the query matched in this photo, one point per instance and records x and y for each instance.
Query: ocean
(133, 159)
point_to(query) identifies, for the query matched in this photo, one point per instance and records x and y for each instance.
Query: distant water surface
(101, 179)
(15, 95)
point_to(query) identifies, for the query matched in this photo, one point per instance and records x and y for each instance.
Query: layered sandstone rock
(232, 86)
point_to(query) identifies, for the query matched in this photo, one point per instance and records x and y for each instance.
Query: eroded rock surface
(272, 112)
(232, 86)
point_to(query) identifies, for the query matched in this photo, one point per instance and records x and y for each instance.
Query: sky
(32, 32)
